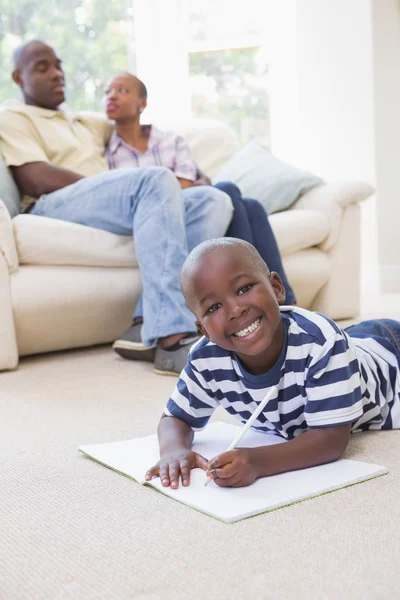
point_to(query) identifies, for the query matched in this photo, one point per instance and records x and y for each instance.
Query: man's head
(125, 97)
(235, 298)
(38, 72)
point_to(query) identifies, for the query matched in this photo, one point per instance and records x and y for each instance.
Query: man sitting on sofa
(57, 161)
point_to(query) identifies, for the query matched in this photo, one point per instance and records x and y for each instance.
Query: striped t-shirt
(323, 377)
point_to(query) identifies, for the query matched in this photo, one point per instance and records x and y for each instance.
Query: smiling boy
(330, 382)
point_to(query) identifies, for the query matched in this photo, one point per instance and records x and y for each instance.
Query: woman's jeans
(147, 203)
(250, 223)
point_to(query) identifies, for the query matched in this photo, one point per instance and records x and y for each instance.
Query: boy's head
(125, 97)
(235, 299)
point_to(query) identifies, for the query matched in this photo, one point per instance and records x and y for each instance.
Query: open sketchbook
(134, 457)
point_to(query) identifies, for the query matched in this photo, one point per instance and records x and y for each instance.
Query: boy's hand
(171, 465)
(235, 468)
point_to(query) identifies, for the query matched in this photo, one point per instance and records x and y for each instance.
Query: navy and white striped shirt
(323, 377)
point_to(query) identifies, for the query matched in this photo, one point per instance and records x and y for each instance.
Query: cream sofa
(66, 286)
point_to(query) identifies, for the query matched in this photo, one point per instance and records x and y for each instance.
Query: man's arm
(37, 178)
(242, 466)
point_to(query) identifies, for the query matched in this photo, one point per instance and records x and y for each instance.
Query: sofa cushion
(261, 175)
(44, 241)
(9, 193)
(331, 199)
(211, 143)
(299, 230)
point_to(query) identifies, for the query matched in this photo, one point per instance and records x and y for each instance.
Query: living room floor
(72, 529)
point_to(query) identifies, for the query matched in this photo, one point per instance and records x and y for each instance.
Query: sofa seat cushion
(44, 241)
(297, 230)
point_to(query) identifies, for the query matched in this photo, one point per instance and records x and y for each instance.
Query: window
(228, 64)
(217, 66)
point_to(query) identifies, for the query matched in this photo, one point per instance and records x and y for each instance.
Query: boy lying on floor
(330, 382)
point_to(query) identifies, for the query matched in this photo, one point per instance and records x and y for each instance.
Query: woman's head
(125, 97)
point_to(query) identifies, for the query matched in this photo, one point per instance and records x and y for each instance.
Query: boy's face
(237, 307)
(122, 98)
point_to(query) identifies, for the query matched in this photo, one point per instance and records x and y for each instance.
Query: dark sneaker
(130, 345)
(173, 360)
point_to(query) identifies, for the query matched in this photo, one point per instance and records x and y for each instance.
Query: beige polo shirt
(61, 138)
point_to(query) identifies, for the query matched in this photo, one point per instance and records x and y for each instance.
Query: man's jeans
(148, 204)
(198, 204)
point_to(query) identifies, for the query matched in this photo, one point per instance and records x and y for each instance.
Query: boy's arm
(175, 438)
(242, 466)
(173, 434)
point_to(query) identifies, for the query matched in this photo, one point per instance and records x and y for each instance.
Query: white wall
(321, 88)
(335, 109)
(386, 44)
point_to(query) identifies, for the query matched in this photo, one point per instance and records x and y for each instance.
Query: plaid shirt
(164, 149)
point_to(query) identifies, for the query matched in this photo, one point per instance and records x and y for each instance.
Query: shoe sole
(141, 353)
(137, 346)
(171, 373)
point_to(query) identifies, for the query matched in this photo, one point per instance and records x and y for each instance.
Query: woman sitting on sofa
(135, 145)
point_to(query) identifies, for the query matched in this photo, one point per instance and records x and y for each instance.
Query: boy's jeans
(386, 328)
(147, 203)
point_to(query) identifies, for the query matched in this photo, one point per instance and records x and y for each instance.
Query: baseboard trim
(390, 279)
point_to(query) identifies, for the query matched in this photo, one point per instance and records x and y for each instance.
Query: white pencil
(249, 423)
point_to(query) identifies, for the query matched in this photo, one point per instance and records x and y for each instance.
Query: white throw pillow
(262, 176)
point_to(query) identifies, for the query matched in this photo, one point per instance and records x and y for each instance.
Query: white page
(134, 457)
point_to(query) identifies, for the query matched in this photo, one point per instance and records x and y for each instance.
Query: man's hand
(235, 468)
(173, 464)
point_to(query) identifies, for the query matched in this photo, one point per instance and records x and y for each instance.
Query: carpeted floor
(72, 529)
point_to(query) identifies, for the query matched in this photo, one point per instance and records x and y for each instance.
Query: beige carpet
(72, 529)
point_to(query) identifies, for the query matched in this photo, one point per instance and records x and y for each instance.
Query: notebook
(134, 457)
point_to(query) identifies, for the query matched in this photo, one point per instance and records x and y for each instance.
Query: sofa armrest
(8, 339)
(7, 244)
(332, 199)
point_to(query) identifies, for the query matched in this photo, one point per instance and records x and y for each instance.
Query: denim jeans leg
(207, 215)
(265, 242)
(239, 226)
(208, 212)
(148, 203)
(250, 223)
(386, 328)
